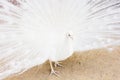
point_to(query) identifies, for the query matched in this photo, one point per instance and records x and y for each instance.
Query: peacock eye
(69, 35)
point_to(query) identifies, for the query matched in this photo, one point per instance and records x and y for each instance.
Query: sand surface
(98, 64)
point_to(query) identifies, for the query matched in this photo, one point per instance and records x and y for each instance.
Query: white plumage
(33, 31)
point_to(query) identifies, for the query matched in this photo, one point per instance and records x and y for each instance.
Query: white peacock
(33, 31)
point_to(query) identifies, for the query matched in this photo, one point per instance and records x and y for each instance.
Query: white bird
(33, 31)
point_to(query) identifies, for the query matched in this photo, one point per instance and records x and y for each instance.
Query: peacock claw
(53, 72)
(57, 64)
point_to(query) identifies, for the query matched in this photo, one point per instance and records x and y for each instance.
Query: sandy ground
(90, 65)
